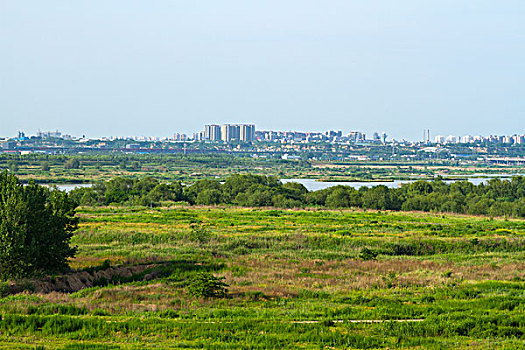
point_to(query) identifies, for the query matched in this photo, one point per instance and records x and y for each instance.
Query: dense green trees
(496, 197)
(36, 225)
(147, 191)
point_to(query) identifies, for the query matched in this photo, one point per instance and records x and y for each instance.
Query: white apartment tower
(212, 132)
(247, 132)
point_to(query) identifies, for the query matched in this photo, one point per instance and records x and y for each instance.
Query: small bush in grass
(206, 285)
(328, 323)
(428, 299)
(4, 289)
(255, 295)
(447, 274)
(100, 312)
(106, 264)
(169, 314)
(100, 282)
(199, 235)
(367, 254)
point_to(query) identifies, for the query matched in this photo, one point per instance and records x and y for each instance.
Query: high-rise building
(226, 132)
(212, 132)
(179, 137)
(198, 136)
(247, 132)
(356, 136)
(439, 139)
(330, 134)
(451, 139)
(235, 133)
(467, 139)
(230, 132)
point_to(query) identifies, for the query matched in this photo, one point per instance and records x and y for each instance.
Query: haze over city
(132, 68)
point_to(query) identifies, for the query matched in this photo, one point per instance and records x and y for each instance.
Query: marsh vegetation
(297, 278)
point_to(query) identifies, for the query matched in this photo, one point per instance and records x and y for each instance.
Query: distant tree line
(495, 198)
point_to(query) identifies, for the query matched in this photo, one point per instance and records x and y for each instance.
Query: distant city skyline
(247, 133)
(119, 67)
(168, 134)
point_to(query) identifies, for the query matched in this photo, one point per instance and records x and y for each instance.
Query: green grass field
(298, 279)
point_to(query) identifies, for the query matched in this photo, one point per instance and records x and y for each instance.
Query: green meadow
(297, 279)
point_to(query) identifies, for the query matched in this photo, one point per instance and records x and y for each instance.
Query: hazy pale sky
(131, 67)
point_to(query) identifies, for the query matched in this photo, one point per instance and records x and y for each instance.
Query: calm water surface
(68, 187)
(314, 185)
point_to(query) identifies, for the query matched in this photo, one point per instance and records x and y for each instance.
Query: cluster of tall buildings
(306, 137)
(227, 133)
(511, 139)
(246, 133)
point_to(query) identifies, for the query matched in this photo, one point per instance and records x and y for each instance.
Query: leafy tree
(236, 184)
(338, 198)
(479, 206)
(417, 202)
(89, 195)
(342, 197)
(317, 197)
(166, 192)
(193, 191)
(118, 190)
(283, 201)
(419, 188)
(176, 190)
(258, 195)
(295, 190)
(143, 186)
(209, 197)
(377, 197)
(36, 225)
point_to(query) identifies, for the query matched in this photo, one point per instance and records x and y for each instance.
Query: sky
(154, 68)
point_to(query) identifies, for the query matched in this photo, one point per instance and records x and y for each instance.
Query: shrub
(367, 254)
(45, 166)
(13, 166)
(72, 164)
(199, 234)
(205, 285)
(4, 289)
(447, 274)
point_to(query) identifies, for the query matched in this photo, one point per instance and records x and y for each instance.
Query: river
(314, 185)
